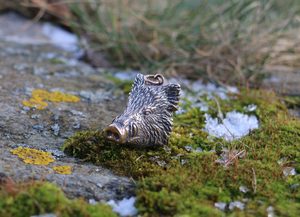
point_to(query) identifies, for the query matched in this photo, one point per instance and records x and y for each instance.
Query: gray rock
(47, 129)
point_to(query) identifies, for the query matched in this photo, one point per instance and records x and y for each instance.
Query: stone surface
(25, 67)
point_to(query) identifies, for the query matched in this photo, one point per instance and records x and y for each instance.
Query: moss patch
(124, 160)
(40, 198)
(33, 156)
(124, 85)
(177, 181)
(40, 98)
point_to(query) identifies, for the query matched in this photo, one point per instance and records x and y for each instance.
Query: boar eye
(147, 111)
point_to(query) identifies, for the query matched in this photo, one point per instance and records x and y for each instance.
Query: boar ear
(172, 92)
(139, 80)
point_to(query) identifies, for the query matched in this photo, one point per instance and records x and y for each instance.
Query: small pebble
(76, 125)
(183, 161)
(161, 163)
(77, 113)
(38, 127)
(270, 211)
(236, 204)
(26, 109)
(55, 128)
(45, 215)
(55, 117)
(39, 71)
(188, 148)
(57, 153)
(220, 206)
(99, 185)
(289, 171)
(243, 189)
(92, 201)
(250, 108)
(197, 150)
(35, 116)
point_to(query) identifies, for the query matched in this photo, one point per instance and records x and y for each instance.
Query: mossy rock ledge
(178, 180)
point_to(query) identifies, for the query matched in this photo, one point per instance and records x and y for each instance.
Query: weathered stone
(47, 129)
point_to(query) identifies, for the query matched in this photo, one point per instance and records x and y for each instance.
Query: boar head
(148, 117)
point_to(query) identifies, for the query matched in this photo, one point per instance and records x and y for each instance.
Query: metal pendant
(148, 117)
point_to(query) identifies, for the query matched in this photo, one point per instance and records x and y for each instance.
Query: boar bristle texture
(148, 117)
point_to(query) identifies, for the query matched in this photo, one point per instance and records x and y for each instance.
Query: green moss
(124, 160)
(39, 198)
(175, 182)
(124, 85)
(292, 101)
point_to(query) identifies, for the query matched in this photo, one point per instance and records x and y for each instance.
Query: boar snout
(116, 134)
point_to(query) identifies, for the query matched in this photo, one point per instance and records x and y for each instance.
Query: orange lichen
(65, 170)
(39, 97)
(33, 156)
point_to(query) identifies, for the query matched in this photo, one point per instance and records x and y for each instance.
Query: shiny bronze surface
(148, 117)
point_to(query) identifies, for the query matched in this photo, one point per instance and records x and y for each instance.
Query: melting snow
(270, 211)
(234, 126)
(124, 207)
(243, 189)
(221, 205)
(24, 31)
(250, 108)
(289, 171)
(60, 37)
(236, 204)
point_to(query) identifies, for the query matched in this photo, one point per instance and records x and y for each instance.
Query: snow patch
(270, 211)
(234, 126)
(250, 108)
(124, 207)
(289, 171)
(60, 37)
(236, 204)
(24, 31)
(221, 205)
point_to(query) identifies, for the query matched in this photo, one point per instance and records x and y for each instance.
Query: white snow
(289, 171)
(243, 189)
(208, 89)
(24, 31)
(236, 204)
(221, 205)
(270, 211)
(250, 108)
(60, 37)
(124, 207)
(234, 126)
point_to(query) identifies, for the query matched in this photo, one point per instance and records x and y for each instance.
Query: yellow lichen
(39, 97)
(66, 170)
(33, 156)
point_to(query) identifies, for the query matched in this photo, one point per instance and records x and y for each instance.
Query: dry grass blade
(228, 41)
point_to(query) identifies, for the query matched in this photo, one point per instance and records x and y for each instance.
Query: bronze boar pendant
(148, 117)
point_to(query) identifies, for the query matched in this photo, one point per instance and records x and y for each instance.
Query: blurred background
(240, 42)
